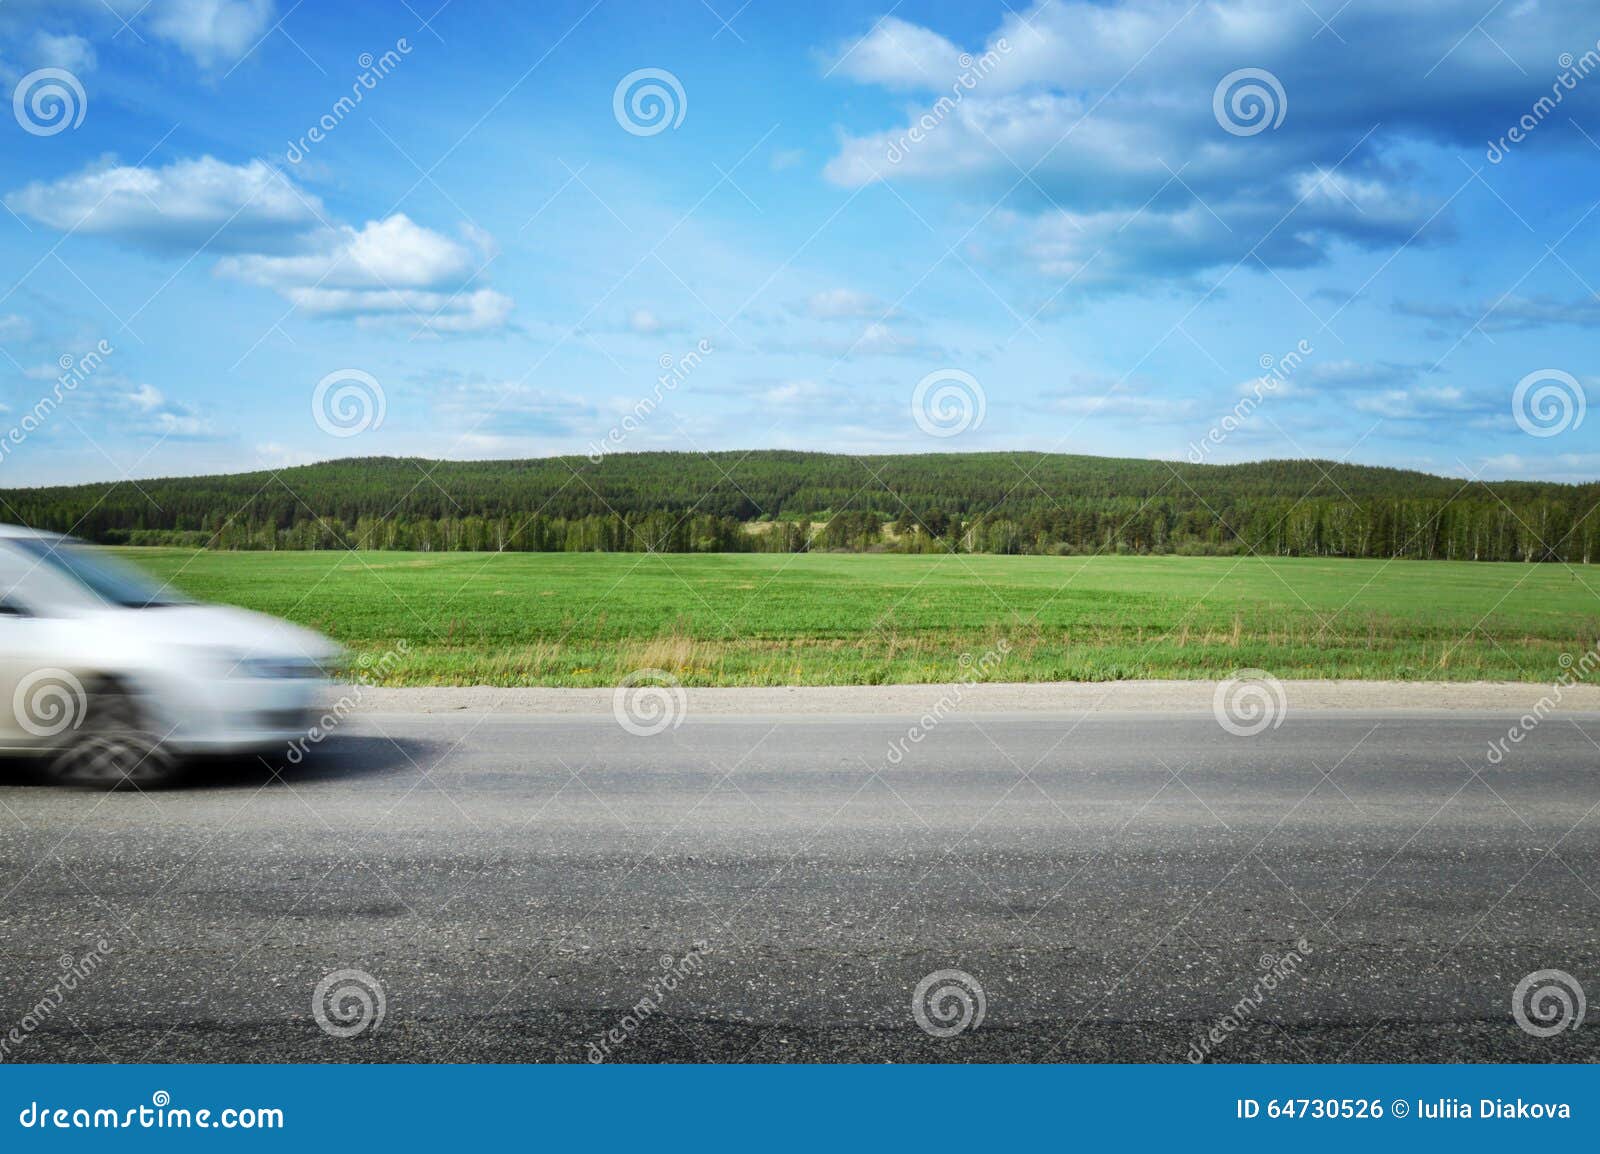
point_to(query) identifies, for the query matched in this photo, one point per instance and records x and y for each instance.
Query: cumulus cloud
(1108, 109)
(274, 234)
(180, 207)
(394, 253)
(899, 54)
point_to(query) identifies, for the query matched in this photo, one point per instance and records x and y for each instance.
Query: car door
(32, 688)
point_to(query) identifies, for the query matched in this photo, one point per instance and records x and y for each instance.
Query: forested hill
(990, 502)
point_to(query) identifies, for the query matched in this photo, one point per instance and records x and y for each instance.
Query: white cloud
(73, 53)
(189, 204)
(394, 253)
(1416, 404)
(393, 270)
(478, 310)
(211, 31)
(278, 236)
(14, 327)
(1107, 107)
(898, 54)
(147, 398)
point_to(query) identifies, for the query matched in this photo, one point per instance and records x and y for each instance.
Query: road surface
(518, 888)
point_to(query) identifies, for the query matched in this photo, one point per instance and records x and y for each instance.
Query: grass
(852, 619)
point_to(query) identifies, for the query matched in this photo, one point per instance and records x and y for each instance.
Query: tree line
(791, 502)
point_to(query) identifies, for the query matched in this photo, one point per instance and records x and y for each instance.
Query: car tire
(116, 747)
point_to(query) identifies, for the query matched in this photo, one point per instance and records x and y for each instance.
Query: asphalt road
(1118, 886)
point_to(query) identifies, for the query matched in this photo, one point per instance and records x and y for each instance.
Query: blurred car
(117, 679)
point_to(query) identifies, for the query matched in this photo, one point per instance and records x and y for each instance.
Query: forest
(777, 501)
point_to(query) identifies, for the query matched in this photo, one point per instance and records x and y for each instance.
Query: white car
(118, 679)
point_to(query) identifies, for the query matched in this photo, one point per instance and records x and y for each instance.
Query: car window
(104, 577)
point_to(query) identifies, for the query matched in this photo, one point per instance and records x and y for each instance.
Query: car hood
(221, 627)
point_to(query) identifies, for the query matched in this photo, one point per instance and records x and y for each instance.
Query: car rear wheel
(115, 747)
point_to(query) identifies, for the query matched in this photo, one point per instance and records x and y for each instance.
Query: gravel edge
(1037, 697)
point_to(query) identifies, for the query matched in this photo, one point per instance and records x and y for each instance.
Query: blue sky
(1064, 217)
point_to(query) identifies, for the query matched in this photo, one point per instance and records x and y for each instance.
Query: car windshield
(109, 580)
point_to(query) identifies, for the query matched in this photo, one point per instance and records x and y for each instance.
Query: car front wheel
(116, 746)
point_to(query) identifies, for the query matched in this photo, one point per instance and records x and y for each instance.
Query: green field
(850, 619)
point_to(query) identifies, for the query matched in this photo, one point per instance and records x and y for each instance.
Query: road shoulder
(1047, 697)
